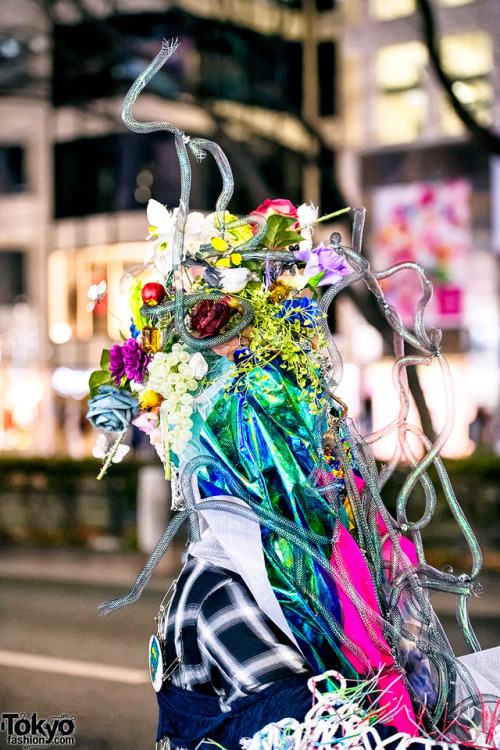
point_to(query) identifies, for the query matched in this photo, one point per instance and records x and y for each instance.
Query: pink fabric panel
(346, 551)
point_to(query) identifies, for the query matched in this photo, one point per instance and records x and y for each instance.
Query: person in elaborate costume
(295, 568)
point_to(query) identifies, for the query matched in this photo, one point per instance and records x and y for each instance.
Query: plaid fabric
(228, 646)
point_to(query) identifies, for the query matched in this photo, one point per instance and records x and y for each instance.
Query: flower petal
(157, 213)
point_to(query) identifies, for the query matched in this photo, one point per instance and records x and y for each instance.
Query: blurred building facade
(349, 101)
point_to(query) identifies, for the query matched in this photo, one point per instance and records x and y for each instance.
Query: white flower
(307, 215)
(138, 388)
(96, 293)
(198, 365)
(296, 282)
(233, 280)
(102, 449)
(162, 226)
(199, 231)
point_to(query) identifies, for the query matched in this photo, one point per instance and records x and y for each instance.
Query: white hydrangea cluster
(173, 375)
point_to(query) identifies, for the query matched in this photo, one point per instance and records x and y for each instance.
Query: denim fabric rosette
(112, 409)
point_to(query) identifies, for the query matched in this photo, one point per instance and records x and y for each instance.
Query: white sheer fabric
(233, 542)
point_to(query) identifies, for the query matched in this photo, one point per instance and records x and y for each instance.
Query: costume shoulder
(200, 580)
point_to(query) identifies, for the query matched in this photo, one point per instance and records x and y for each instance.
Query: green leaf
(289, 237)
(276, 226)
(105, 358)
(98, 378)
(314, 281)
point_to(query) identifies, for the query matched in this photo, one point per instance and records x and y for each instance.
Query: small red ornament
(153, 293)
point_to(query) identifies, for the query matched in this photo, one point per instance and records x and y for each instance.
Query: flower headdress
(221, 277)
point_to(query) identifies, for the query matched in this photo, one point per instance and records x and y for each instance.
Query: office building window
(12, 169)
(468, 59)
(401, 106)
(452, 3)
(12, 276)
(386, 10)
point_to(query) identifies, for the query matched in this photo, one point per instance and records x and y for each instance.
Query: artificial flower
(280, 206)
(134, 331)
(307, 214)
(128, 359)
(304, 311)
(96, 293)
(219, 244)
(199, 230)
(198, 365)
(295, 281)
(239, 234)
(149, 399)
(112, 409)
(278, 291)
(103, 447)
(162, 227)
(209, 316)
(324, 260)
(147, 421)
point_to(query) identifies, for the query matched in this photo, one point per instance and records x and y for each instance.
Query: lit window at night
(450, 3)
(467, 58)
(401, 108)
(71, 274)
(386, 10)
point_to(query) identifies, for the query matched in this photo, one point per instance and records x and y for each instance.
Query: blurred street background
(389, 104)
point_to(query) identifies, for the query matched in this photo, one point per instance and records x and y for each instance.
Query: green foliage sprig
(298, 346)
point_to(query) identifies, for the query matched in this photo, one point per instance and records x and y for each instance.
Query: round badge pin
(155, 663)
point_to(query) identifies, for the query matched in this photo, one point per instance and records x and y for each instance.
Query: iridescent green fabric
(263, 433)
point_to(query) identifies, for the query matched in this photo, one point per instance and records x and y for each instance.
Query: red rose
(209, 316)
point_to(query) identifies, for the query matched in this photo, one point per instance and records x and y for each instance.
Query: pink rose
(280, 206)
(147, 421)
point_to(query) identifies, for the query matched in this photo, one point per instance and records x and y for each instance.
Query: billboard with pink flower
(428, 223)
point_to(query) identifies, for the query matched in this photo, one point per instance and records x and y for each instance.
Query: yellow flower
(223, 263)
(278, 291)
(235, 259)
(219, 244)
(149, 399)
(240, 234)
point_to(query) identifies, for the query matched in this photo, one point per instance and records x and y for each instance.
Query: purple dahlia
(128, 359)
